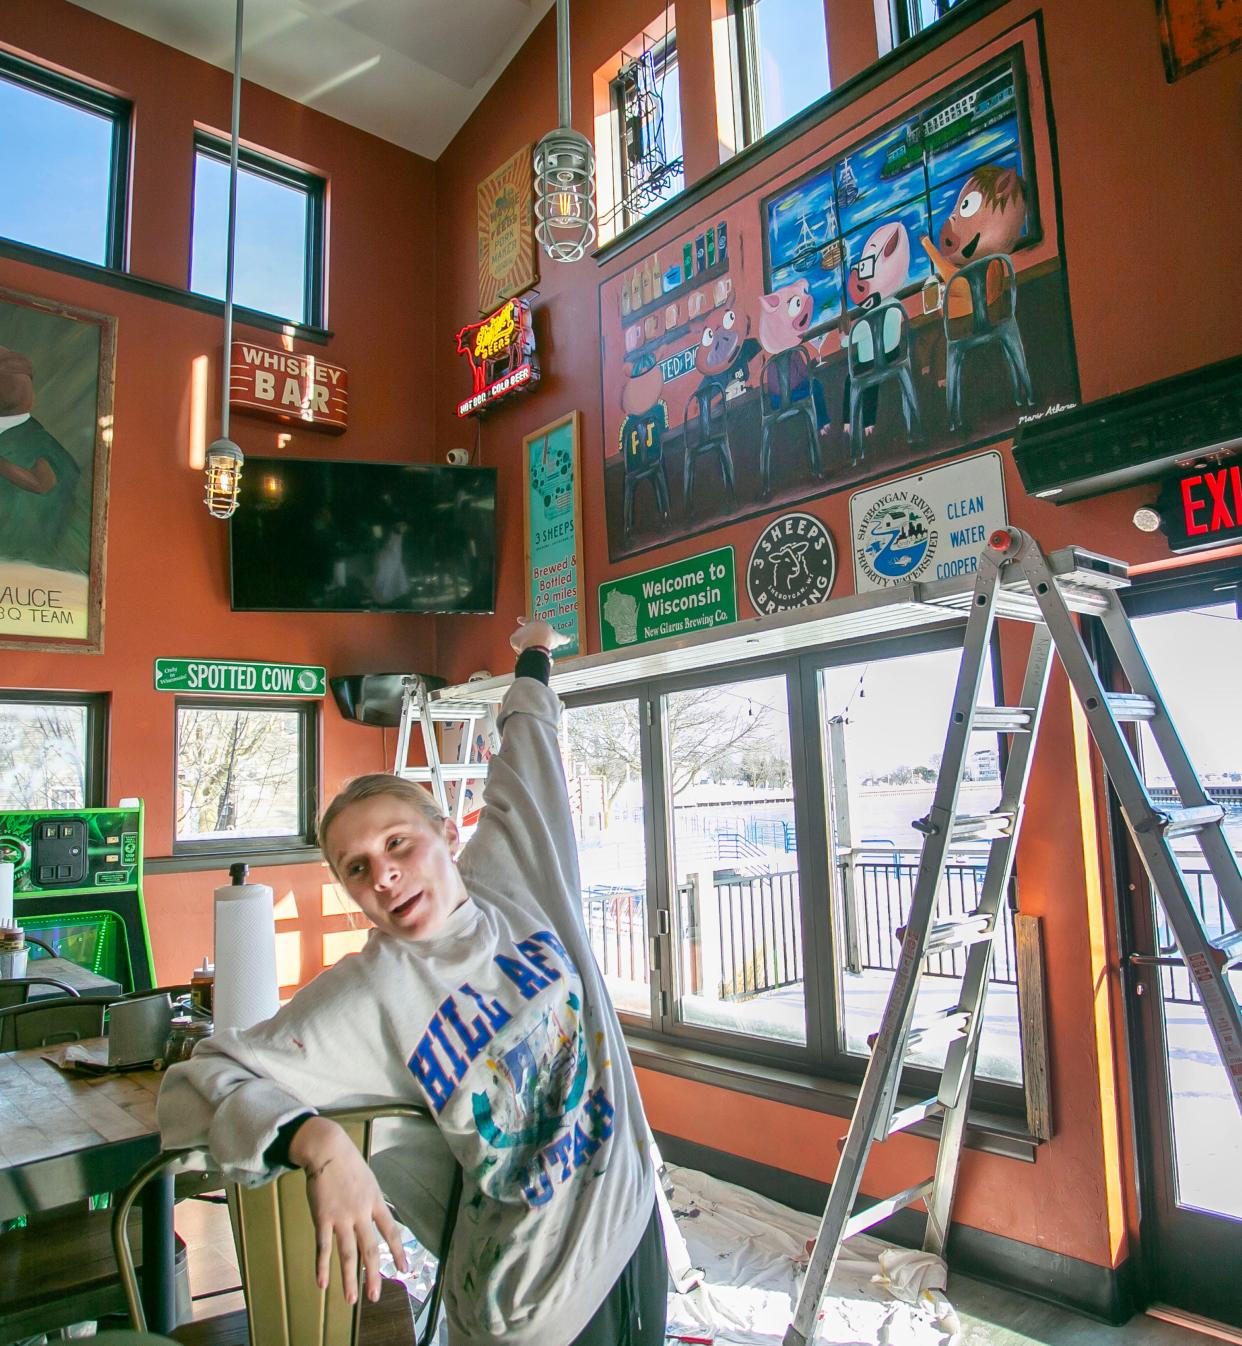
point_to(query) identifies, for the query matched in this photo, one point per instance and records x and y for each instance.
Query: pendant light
(224, 458)
(564, 170)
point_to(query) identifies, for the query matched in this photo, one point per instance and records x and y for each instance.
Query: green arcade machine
(77, 885)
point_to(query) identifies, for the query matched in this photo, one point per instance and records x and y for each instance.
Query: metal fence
(1177, 986)
(617, 929)
(758, 934)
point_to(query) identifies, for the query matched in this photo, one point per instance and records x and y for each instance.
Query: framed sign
(506, 231)
(294, 389)
(56, 373)
(672, 600)
(553, 506)
(1194, 32)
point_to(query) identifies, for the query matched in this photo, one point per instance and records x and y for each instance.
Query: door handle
(1156, 960)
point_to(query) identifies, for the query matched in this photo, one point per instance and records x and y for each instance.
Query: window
(279, 254)
(646, 99)
(51, 750)
(757, 825)
(781, 59)
(912, 17)
(604, 769)
(68, 146)
(245, 772)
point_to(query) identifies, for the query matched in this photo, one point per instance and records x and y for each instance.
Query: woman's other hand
(538, 634)
(346, 1205)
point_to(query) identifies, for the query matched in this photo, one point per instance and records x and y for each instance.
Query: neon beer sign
(500, 350)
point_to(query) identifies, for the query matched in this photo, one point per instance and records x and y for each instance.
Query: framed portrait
(1194, 32)
(553, 507)
(56, 376)
(506, 231)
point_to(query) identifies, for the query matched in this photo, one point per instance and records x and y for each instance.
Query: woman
(478, 995)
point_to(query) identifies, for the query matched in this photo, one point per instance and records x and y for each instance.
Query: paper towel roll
(6, 892)
(245, 956)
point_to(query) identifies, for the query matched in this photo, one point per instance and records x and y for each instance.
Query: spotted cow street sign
(239, 677)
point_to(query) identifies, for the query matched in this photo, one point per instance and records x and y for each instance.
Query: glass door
(1189, 1126)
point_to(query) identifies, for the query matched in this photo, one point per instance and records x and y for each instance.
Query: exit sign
(1202, 506)
(238, 677)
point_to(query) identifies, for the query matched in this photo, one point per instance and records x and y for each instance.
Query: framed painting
(506, 231)
(1194, 32)
(553, 508)
(895, 296)
(56, 376)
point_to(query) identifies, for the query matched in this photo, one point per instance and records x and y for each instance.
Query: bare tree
(42, 756)
(234, 768)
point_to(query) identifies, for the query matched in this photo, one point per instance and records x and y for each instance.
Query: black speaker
(374, 698)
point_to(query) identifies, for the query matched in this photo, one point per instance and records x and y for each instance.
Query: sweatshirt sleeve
(526, 829)
(239, 1088)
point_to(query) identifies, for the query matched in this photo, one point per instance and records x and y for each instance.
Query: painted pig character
(784, 317)
(989, 216)
(725, 352)
(882, 267)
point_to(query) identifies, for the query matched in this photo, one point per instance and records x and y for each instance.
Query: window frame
(662, 51)
(115, 109)
(308, 785)
(315, 189)
(96, 705)
(824, 1055)
(747, 74)
(903, 25)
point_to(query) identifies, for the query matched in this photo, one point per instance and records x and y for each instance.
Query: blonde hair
(418, 797)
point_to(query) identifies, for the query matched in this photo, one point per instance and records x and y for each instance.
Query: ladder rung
(1131, 706)
(959, 932)
(1227, 944)
(449, 771)
(946, 1023)
(914, 1114)
(982, 827)
(459, 710)
(1003, 719)
(881, 1210)
(1178, 822)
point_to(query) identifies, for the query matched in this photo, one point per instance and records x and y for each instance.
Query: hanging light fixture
(564, 170)
(224, 458)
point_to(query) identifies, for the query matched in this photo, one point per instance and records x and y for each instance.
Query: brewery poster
(553, 509)
(506, 231)
(56, 370)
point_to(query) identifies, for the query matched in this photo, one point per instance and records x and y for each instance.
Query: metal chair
(46, 1023)
(643, 462)
(781, 381)
(16, 990)
(276, 1247)
(880, 352)
(985, 328)
(707, 409)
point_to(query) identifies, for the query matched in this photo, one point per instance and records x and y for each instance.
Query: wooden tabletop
(64, 1136)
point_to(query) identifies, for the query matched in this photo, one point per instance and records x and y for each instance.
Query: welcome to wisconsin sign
(296, 389)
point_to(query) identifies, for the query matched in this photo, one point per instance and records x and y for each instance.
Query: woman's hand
(537, 633)
(346, 1205)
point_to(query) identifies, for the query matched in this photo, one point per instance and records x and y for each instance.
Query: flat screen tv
(315, 536)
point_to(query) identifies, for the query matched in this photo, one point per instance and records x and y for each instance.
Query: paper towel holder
(238, 873)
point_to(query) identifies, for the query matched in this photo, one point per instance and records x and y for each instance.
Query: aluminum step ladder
(1071, 581)
(449, 781)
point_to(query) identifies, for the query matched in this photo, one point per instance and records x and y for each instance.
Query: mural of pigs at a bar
(896, 297)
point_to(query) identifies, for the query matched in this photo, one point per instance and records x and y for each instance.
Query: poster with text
(507, 263)
(896, 297)
(552, 513)
(56, 366)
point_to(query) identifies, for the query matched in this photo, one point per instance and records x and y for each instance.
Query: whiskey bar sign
(291, 388)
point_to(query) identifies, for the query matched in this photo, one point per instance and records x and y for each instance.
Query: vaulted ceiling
(410, 71)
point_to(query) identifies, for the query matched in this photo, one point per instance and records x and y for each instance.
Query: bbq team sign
(932, 526)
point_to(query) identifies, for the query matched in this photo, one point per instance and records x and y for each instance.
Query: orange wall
(167, 562)
(1148, 234)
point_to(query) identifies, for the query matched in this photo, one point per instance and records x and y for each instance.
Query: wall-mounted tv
(315, 536)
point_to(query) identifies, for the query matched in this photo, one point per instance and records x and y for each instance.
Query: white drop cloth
(753, 1252)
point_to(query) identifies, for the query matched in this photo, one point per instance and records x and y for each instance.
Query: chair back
(878, 341)
(973, 290)
(46, 1023)
(276, 1247)
(16, 990)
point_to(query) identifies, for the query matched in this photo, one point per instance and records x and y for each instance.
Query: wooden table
(61, 969)
(64, 1137)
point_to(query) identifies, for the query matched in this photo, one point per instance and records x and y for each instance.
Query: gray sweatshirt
(502, 1026)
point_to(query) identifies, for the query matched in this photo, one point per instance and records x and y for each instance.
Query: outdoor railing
(1176, 984)
(616, 927)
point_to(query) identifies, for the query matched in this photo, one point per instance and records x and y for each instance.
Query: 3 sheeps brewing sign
(794, 563)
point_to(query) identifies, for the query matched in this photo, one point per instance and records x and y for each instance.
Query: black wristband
(534, 662)
(277, 1153)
